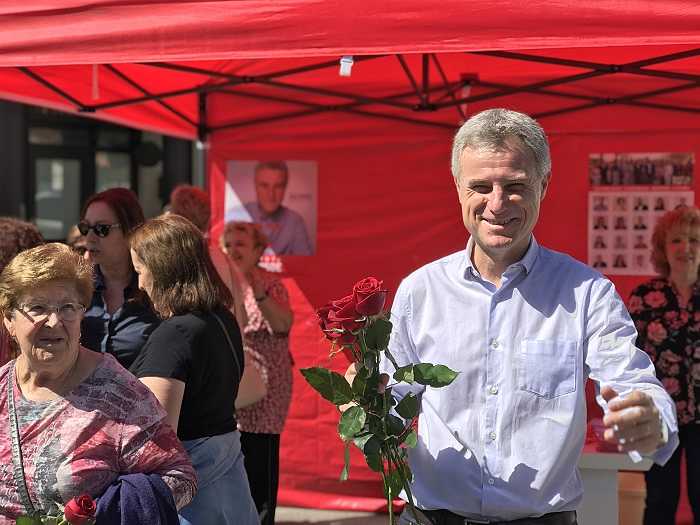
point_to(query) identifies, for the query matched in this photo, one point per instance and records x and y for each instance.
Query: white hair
(492, 129)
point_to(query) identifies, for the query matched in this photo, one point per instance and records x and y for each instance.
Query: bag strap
(17, 462)
(230, 344)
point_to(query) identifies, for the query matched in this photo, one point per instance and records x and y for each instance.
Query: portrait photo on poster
(278, 195)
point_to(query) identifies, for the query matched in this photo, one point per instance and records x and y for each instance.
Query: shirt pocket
(548, 368)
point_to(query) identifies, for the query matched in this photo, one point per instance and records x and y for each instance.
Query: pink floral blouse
(670, 334)
(270, 353)
(107, 426)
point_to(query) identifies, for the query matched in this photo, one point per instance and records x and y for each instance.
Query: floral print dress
(670, 334)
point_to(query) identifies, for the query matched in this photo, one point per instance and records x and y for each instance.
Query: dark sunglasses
(101, 230)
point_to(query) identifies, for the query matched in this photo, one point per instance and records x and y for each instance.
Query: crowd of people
(149, 367)
(143, 365)
(629, 170)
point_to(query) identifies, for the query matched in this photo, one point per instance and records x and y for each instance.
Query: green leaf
(404, 374)
(345, 473)
(376, 427)
(331, 385)
(378, 333)
(370, 445)
(351, 422)
(394, 483)
(408, 406)
(374, 461)
(359, 385)
(411, 439)
(28, 520)
(433, 375)
(395, 425)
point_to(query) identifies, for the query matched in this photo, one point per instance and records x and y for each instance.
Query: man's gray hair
(491, 129)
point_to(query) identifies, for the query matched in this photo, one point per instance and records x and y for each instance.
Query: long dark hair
(184, 277)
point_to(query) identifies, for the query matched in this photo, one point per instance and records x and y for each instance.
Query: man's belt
(445, 517)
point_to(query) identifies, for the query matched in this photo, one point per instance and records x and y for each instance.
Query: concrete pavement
(295, 515)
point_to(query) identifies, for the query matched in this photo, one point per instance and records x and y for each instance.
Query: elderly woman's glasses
(38, 312)
(101, 230)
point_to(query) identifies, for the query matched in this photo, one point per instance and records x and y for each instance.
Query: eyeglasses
(101, 230)
(38, 312)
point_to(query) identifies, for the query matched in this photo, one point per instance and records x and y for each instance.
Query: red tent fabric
(614, 77)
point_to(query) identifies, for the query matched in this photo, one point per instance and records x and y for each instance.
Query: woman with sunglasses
(119, 318)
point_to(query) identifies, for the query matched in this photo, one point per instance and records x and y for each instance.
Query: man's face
(500, 194)
(269, 188)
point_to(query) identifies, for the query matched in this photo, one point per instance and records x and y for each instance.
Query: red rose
(368, 296)
(337, 320)
(326, 324)
(80, 510)
(343, 312)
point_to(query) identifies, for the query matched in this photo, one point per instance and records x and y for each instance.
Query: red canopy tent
(259, 80)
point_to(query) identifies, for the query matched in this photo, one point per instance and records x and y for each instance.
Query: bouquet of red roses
(78, 511)
(381, 426)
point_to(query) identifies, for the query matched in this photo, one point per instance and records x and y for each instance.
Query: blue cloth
(123, 333)
(284, 228)
(136, 499)
(223, 494)
(503, 441)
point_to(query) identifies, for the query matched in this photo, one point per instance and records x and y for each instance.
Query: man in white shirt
(525, 327)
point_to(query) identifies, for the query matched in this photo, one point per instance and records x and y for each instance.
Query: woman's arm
(169, 393)
(273, 304)
(150, 446)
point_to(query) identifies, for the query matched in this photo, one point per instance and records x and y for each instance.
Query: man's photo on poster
(280, 196)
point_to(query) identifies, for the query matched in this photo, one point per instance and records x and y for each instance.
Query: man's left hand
(633, 422)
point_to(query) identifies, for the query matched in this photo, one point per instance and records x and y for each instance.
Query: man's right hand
(350, 374)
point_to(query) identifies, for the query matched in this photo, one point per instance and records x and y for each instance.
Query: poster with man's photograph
(278, 195)
(641, 169)
(621, 223)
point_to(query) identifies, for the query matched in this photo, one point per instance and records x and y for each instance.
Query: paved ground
(293, 515)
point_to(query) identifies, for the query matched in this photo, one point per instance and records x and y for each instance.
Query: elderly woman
(193, 363)
(118, 319)
(666, 311)
(267, 335)
(15, 236)
(77, 420)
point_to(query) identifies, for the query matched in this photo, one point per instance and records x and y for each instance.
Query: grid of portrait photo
(629, 193)
(621, 225)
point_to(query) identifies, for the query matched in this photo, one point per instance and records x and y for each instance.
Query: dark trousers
(664, 483)
(262, 464)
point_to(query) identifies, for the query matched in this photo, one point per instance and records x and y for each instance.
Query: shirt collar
(527, 262)
(100, 282)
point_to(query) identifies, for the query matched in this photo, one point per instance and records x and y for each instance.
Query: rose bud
(80, 510)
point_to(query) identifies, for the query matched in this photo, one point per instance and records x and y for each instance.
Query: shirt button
(492, 436)
(493, 390)
(494, 343)
(491, 481)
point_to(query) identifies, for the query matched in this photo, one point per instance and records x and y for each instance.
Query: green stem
(400, 463)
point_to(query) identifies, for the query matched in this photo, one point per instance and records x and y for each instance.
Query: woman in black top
(193, 363)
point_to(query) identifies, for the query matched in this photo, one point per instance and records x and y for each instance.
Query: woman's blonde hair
(184, 278)
(683, 216)
(253, 229)
(42, 265)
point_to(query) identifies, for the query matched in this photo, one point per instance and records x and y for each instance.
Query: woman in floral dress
(666, 311)
(266, 339)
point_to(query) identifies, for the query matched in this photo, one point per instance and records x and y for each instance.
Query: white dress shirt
(504, 439)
